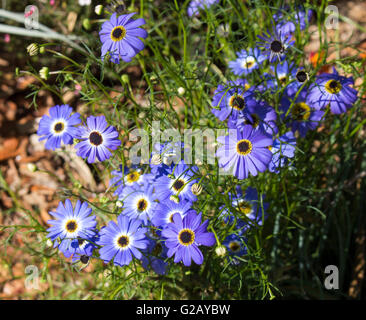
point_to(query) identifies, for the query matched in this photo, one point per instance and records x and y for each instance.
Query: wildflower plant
(248, 224)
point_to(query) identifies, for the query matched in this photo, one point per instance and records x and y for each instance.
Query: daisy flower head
(165, 211)
(58, 126)
(97, 138)
(71, 226)
(154, 257)
(120, 37)
(184, 236)
(129, 177)
(195, 5)
(236, 247)
(139, 202)
(231, 99)
(122, 240)
(275, 44)
(333, 90)
(247, 61)
(248, 205)
(283, 148)
(301, 115)
(282, 72)
(177, 185)
(244, 151)
(260, 116)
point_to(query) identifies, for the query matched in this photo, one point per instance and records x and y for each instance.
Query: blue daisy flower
(195, 5)
(154, 257)
(260, 116)
(275, 44)
(302, 116)
(247, 61)
(177, 185)
(122, 240)
(59, 126)
(334, 90)
(129, 177)
(164, 211)
(83, 249)
(97, 138)
(120, 37)
(231, 99)
(283, 148)
(139, 202)
(243, 152)
(71, 225)
(236, 246)
(184, 236)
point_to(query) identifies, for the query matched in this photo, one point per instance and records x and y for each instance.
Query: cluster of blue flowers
(254, 143)
(157, 220)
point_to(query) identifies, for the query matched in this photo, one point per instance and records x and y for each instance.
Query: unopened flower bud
(125, 79)
(33, 49)
(98, 9)
(181, 91)
(44, 73)
(174, 198)
(196, 189)
(220, 251)
(32, 167)
(156, 159)
(86, 24)
(119, 204)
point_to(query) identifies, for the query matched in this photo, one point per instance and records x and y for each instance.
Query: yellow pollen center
(118, 33)
(141, 205)
(186, 237)
(245, 207)
(123, 241)
(300, 111)
(234, 246)
(255, 121)
(132, 177)
(71, 226)
(59, 127)
(244, 147)
(333, 86)
(237, 102)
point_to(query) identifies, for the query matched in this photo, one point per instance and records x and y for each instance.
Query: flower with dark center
(122, 240)
(139, 202)
(165, 211)
(231, 100)
(302, 76)
(247, 61)
(275, 44)
(120, 37)
(244, 152)
(184, 236)
(333, 90)
(177, 183)
(236, 247)
(71, 226)
(59, 126)
(97, 138)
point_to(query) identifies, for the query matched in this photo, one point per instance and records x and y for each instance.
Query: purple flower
(247, 61)
(244, 151)
(283, 148)
(97, 137)
(231, 99)
(334, 90)
(184, 236)
(59, 126)
(177, 184)
(164, 211)
(236, 245)
(122, 240)
(195, 5)
(139, 202)
(275, 44)
(286, 24)
(71, 226)
(302, 116)
(120, 37)
(154, 257)
(260, 116)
